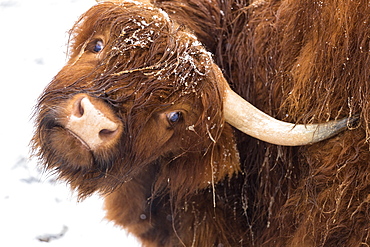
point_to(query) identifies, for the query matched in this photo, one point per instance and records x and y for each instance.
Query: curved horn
(244, 116)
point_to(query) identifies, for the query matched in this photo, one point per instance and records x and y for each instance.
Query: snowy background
(33, 206)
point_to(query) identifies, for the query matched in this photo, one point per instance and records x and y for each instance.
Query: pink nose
(92, 122)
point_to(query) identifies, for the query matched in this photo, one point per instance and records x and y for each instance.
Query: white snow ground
(33, 36)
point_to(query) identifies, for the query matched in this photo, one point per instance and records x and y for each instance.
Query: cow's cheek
(153, 140)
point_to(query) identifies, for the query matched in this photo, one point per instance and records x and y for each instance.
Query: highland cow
(144, 110)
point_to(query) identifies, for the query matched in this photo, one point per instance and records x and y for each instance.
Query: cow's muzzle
(92, 121)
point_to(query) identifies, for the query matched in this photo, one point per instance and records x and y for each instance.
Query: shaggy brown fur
(301, 61)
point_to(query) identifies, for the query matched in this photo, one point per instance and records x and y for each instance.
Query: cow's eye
(98, 46)
(95, 46)
(174, 117)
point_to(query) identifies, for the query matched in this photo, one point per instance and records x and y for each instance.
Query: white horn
(244, 116)
(248, 119)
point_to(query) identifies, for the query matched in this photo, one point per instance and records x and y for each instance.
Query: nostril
(81, 110)
(106, 133)
(78, 108)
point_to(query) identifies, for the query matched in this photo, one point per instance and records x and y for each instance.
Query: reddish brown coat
(301, 61)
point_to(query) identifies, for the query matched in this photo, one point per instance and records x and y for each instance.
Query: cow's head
(138, 91)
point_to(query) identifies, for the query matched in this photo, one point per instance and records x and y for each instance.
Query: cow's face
(137, 91)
